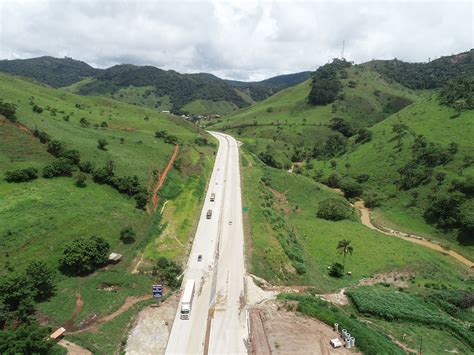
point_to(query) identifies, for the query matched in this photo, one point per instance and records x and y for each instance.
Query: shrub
(84, 122)
(21, 175)
(83, 256)
(55, 148)
(127, 235)
(58, 167)
(37, 109)
(72, 155)
(336, 270)
(334, 209)
(340, 125)
(333, 180)
(363, 135)
(104, 124)
(86, 167)
(8, 110)
(102, 144)
(167, 272)
(351, 188)
(141, 199)
(42, 136)
(81, 180)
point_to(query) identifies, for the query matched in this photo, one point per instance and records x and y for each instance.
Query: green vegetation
(284, 227)
(369, 340)
(400, 306)
(431, 75)
(39, 218)
(83, 256)
(288, 129)
(325, 85)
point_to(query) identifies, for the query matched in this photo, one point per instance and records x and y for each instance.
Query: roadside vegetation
(77, 182)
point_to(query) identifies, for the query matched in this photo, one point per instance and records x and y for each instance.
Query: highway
(218, 321)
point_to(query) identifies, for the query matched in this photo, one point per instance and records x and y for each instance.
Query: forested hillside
(56, 72)
(165, 90)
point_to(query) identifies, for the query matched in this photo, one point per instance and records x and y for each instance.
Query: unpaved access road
(366, 221)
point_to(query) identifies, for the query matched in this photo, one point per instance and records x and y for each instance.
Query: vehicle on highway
(209, 214)
(230, 223)
(187, 300)
(199, 257)
(213, 197)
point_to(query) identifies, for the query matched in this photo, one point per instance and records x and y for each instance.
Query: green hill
(40, 217)
(56, 72)
(287, 127)
(399, 148)
(165, 90)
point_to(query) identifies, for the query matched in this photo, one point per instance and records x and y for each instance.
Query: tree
(83, 256)
(42, 280)
(334, 145)
(26, 339)
(127, 235)
(8, 110)
(444, 210)
(334, 209)
(104, 124)
(102, 144)
(81, 180)
(21, 175)
(37, 109)
(336, 270)
(344, 247)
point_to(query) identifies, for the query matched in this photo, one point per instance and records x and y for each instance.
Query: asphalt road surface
(218, 320)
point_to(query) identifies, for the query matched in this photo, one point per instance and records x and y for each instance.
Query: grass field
(426, 117)
(38, 218)
(297, 197)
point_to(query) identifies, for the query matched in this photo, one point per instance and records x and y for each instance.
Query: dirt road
(366, 221)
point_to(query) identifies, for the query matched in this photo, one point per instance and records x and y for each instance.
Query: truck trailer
(187, 300)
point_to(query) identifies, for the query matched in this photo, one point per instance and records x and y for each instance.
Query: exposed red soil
(161, 179)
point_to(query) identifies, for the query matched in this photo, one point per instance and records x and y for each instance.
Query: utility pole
(342, 53)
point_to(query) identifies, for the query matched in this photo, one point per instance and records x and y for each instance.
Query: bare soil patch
(152, 327)
(290, 333)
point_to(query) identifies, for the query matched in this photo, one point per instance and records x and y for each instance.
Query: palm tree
(344, 247)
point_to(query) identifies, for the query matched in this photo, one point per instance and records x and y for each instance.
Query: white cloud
(233, 39)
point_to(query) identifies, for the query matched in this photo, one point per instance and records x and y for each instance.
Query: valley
(338, 196)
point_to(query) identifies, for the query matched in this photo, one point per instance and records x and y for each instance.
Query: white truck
(187, 299)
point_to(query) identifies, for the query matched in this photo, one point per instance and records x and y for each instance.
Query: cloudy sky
(239, 39)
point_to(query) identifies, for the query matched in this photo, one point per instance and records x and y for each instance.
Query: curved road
(218, 321)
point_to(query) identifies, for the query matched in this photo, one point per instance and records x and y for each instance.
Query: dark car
(199, 257)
